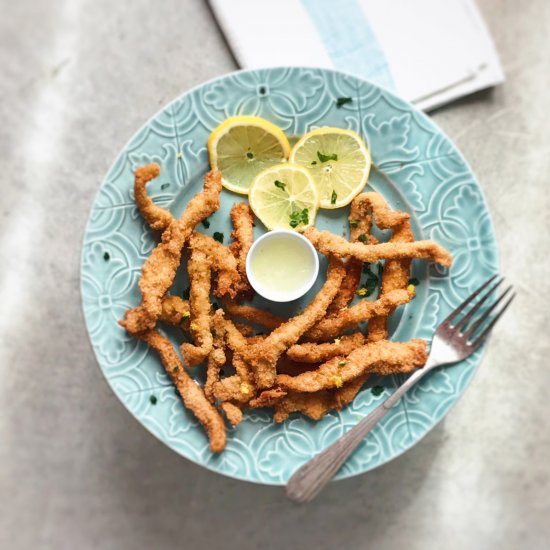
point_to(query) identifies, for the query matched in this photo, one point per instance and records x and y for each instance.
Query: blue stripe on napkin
(349, 40)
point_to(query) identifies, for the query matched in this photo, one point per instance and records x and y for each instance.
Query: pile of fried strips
(312, 363)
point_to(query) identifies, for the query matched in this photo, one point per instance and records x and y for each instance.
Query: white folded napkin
(427, 51)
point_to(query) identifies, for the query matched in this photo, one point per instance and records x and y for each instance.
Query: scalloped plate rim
(417, 112)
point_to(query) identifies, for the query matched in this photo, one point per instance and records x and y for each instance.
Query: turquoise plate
(417, 169)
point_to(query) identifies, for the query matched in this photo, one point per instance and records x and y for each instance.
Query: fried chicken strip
(192, 395)
(361, 214)
(238, 388)
(253, 315)
(174, 310)
(348, 288)
(395, 272)
(367, 205)
(159, 270)
(233, 389)
(243, 237)
(395, 275)
(313, 405)
(156, 216)
(268, 398)
(247, 331)
(328, 329)
(383, 358)
(216, 358)
(199, 271)
(222, 262)
(360, 223)
(264, 355)
(328, 243)
(233, 413)
(286, 365)
(310, 352)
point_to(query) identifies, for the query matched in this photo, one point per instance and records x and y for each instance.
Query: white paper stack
(427, 51)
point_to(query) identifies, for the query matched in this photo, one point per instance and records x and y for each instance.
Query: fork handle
(306, 483)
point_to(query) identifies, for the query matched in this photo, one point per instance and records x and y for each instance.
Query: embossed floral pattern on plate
(416, 168)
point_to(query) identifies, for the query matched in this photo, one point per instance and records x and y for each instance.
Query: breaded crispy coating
(263, 356)
(348, 288)
(175, 310)
(308, 363)
(243, 237)
(216, 358)
(383, 358)
(159, 270)
(328, 243)
(192, 394)
(233, 413)
(310, 352)
(330, 328)
(156, 216)
(254, 315)
(222, 262)
(200, 308)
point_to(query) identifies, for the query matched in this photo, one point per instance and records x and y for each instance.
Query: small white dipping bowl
(310, 257)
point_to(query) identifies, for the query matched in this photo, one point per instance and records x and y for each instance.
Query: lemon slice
(339, 162)
(284, 197)
(242, 146)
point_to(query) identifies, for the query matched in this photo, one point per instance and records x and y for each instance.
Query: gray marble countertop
(77, 471)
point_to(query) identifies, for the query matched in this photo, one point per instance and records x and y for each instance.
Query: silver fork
(452, 342)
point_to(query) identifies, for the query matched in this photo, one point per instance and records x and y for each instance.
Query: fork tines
(470, 332)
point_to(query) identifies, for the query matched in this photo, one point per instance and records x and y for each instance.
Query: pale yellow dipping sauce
(282, 264)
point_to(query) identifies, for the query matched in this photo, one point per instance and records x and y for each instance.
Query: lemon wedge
(338, 161)
(284, 197)
(242, 146)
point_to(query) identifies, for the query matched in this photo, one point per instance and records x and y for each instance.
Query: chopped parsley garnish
(371, 282)
(377, 390)
(153, 399)
(342, 363)
(299, 216)
(250, 155)
(363, 238)
(353, 223)
(185, 293)
(326, 158)
(218, 236)
(164, 186)
(206, 223)
(414, 281)
(313, 162)
(106, 256)
(333, 197)
(279, 184)
(342, 101)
